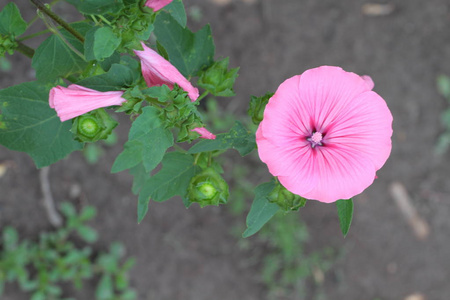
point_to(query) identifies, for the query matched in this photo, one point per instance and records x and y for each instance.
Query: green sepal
(208, 188)
(286, 200)
(218, 80)
(93, 126)
(257, 106)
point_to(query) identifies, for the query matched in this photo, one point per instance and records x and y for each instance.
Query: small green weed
(40, 267)
(443, 86)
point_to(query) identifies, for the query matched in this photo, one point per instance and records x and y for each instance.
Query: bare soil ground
(191, 254)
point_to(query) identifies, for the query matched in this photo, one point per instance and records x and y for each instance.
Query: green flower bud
(7, 44)
(257, 106)
(218, 80)
(93, 126)
(208, 188)
(286, 200)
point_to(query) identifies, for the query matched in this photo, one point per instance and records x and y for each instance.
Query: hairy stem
(25, 50)
(57, 19)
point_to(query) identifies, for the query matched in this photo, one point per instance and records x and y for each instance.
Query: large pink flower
(157, 4)
(325, 134)
(74, 100)
(158, 71)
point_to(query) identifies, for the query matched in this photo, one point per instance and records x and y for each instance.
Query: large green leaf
(237, 138)
(262, 210)
(173, 179)
(148, 140)
(117, 78)
(176, 9)
(345, 214)
(28, 124)
(97, 7)
(188, 52)
(54, 58)
(100, 43)
(11, 22)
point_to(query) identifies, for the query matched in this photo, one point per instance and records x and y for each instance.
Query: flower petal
(157, 4)
(204, 133)
(158, 71)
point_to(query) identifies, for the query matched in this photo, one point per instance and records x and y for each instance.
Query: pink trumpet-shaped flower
(158, 71)
(204, 133)
(74, 100)
(325, 134)
(157, 4)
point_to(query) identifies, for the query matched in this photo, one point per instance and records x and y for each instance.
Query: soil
(191, 254)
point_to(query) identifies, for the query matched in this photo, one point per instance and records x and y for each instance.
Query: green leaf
(54, 58)
(105, 289)
(87, 233)
(100, 43)
(97, 7)
(345, 214)
(177, 11)
(237, 138)
(148, 140)
(443, 85)
(188, 52)
(11, 21)
(262, 210)
(173, 179)
(117, 78)
(139, 177)
(28, 124)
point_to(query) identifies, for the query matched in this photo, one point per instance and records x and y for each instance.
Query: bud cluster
(218, 80)
(7, 45)
(286, 200)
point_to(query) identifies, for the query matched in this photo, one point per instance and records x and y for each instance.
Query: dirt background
(191, 254)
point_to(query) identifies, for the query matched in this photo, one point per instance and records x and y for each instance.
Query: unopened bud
(208, 188)
(93, 126)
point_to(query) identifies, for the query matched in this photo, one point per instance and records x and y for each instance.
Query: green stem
(30, 36)
(104, 20)
(206, 93)
(57, 19)
(25, 50)
(37, 17)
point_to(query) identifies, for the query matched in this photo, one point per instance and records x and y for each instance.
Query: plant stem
(49, 205)
(30, 36)
(25, 50)
(57, 19)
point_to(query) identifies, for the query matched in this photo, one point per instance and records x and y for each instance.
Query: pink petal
(157, 4)
(369, 81)
(158, 71)
(204, 133)
(76, 100)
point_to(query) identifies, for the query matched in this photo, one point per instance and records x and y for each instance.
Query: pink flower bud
(158, 71)
(204, 133)
(74, 100)
(157, 4)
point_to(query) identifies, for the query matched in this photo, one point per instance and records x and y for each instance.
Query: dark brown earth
(191, 254)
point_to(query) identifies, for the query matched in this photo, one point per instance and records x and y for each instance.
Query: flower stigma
(315, 139)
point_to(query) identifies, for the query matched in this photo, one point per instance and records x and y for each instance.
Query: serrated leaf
(148, 140)
(345, 214)
(173, 179)
(28, 124)
(11, 21)
(262, 210)
(54, 58)
(100, 43)
(97, 7)
(177, 11)
(188, 52)
(117, 78)
(237, 138)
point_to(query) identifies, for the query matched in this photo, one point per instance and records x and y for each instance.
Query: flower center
(315, 139)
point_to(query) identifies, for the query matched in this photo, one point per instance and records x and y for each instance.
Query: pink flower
(204, 133)
(157, 4)
(74, 100)
(158, 71)
(325, 134)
